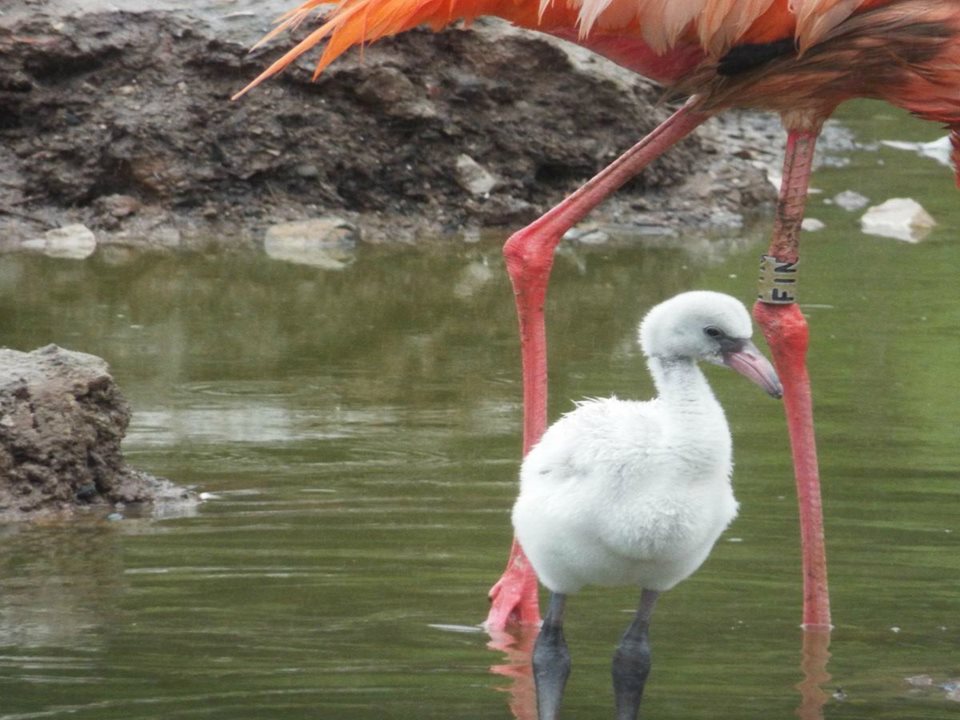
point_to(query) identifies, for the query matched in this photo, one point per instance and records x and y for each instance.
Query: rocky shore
(62, 418)
(120, 123)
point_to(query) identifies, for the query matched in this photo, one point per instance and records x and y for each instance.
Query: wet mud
(122, 121)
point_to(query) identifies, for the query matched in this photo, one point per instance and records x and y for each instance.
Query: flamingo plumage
(798, 58)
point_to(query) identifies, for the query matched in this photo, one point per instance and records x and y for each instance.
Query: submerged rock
(62, 418)
(73, 242)
(939, 149)
(326, 242)
(898, 218)
(851, 200)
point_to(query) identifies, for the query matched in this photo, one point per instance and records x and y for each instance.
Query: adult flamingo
(798, 58)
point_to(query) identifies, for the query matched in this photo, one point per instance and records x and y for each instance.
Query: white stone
(327, 242)
(73, 242)
(812, 225)
(473, 177)
(898, 218)
(850, 200)
(939, 150)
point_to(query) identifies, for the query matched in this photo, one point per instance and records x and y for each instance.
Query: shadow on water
(359, 433)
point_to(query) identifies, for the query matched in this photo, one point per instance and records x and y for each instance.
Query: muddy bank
(62, 419)
(122, 121)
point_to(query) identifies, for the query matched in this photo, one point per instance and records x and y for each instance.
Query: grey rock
(898, 218)
(74, 242)
(473, 177)
(62, 418)
(326, 242)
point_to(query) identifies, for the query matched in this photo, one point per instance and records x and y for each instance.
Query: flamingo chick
(622, 492)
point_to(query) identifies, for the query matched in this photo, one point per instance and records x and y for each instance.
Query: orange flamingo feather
(669, 40)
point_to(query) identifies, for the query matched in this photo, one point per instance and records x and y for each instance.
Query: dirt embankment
(62, 418)
(123, 122)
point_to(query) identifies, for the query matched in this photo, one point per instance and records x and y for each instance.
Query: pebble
(589, 234)
(951, 687)
(850, 200)
(938, 150)
(118, 206)
(898, 218)
(326, 242)
(385, 87)
(473, 177)
(307, 170)
(73, 242)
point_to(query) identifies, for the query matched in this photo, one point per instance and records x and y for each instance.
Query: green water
(359, 430)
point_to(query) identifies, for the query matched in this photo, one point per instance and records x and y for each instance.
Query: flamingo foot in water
(514, 599)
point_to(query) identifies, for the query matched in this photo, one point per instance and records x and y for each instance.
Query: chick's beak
(744, 357)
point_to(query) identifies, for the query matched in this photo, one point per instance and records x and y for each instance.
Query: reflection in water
(516, 642)
(813, 663)
(60, 584)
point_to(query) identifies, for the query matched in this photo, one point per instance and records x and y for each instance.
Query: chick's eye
(713, 332)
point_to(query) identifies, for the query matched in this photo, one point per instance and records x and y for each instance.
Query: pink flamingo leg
(529, 258)
(786, 332)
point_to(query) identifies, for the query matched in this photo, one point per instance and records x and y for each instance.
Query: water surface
(359, 432)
